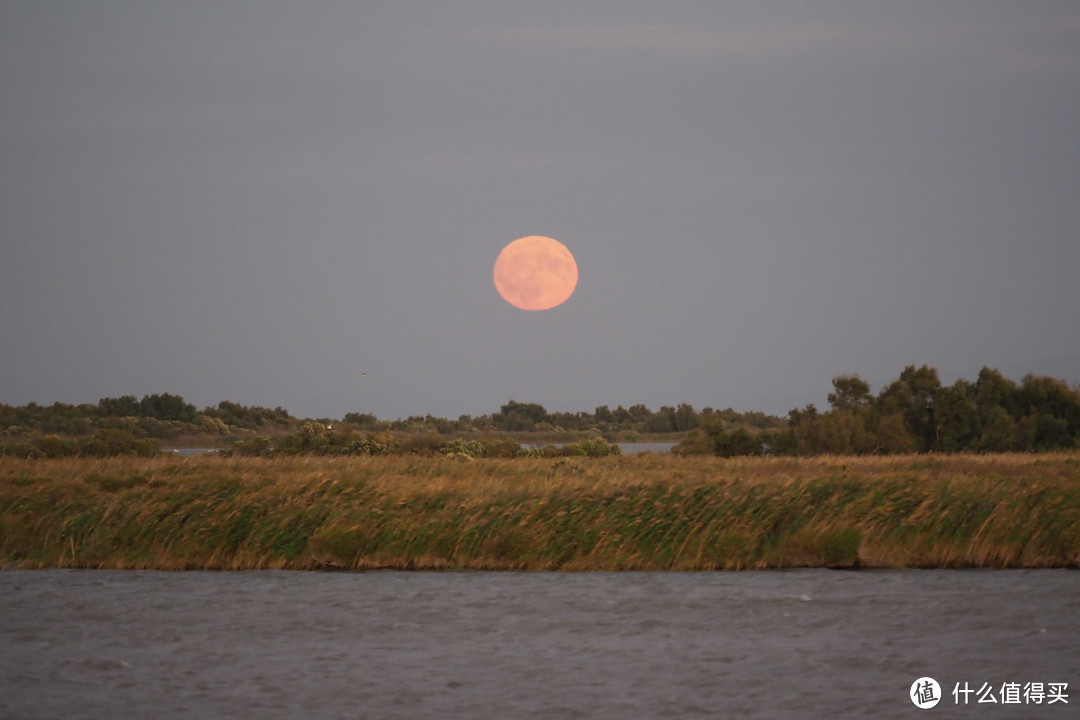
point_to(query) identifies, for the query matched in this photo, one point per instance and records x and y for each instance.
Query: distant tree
(663, 421)
(1026, 434)
(993, 390)
(520, 416)
(696, 442)
(893, 436)
(364, 421)
(167, 407)
(736, 443)
(998, 433)
(248, 418)
(685, 418)
(844, 432)
(1052, 433)
(850, 393)
(124, 406)
(1044, 396)
(956, 418)
(913, 395)
(806, 430)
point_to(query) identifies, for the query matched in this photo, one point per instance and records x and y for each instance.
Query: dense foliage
(915, 413)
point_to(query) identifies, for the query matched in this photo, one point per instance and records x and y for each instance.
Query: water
(627, 448)
(781, 644)
(633, 448)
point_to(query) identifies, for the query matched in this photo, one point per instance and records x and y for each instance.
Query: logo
(925, 693)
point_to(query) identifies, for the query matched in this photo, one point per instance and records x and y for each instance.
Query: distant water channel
(627, 448)
(778, 644)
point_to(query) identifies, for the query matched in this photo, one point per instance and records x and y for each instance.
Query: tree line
(528, 417)
(915, 413)
(168, 416)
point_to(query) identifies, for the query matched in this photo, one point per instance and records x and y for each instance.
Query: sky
(259, 201)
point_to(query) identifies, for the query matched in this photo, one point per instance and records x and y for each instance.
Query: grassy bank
(645, 512)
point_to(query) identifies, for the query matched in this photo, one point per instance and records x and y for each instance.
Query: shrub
(23, 450)
(696, 442)
(501, 447)
(117, 442)
(462, 449)
(380, 444)
(256, 446)
(592, 447)
(428, 444)
(53, 446)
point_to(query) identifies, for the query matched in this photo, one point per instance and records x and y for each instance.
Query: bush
(592, 447)
(501, 447)
(462, 449)
(428, 444)
(696, 442)
(23, 450)
(118, 442)
(548, 451)
(309, 438)
(256, 446)
(52, 446)
(380, 444)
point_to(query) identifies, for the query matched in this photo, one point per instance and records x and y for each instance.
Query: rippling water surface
(780, 644)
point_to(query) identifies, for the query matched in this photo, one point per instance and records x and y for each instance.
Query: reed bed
(644, 512)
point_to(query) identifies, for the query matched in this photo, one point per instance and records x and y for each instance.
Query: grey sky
(257, 201)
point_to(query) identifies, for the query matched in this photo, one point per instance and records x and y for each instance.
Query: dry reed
(633, 512)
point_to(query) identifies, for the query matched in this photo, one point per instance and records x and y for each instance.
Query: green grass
(648, 512)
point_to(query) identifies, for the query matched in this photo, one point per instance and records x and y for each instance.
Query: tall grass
(647, 512)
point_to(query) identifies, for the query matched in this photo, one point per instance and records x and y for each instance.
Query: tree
(1052, 433)
(167, 407)
(913, 395)
(998, 433)
(365, 421)
(851, 393)
(992, 390)
(956, 418)
(124, 406)
(893, 436)
(663, 421)
(520, 416)
(737, 442)
(806, 429)
(685, 418)
(1039, 396)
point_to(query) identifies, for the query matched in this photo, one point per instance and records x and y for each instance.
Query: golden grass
(631, 512)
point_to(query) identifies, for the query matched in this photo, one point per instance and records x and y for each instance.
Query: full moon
(535, 273)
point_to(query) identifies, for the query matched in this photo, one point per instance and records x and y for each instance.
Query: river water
(627, 448)
(775, 644)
